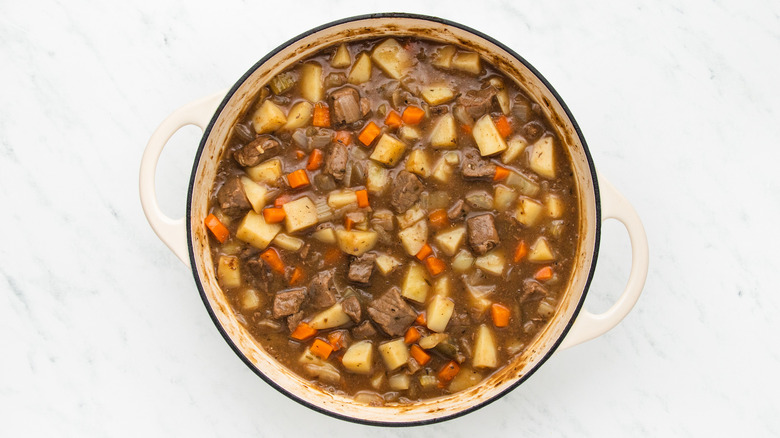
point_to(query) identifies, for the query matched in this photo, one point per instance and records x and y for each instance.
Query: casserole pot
(187, 237)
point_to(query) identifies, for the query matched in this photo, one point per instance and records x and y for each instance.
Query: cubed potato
(479, 297)
(356, 242)
(359, 358)
(331, 317)
(341, 57)
(555, 206)
(528, 211)
(300, 214)
(267, 172)
(546, 309)
(449, 241)
(439, 313)
(249, 299)
(410, 217)
(299, 116)
(465, 379)
(416, 283)
(442, 286)
(268, 118)
(389, 150)
(437, 94)
(419, 162)
(392, 58)
(361, 71)
(376, 178)
(255, 193)
(492, 263)
(325, 235)
(387, 264)
(452, 158)
(502, 95)
(394, 353)
(540, 251)
(310, 358)
(503, 197)
(444, 134)
(399, 382)
(486, 135)
(228, 272)
(285, 241)
(515, 147)
(409, 134)
(523, 184)
(255, 231)
(442, 171)
(311, 84)
(468, 62)
(414, 237)
(485, 353)
(542, 160)
(341, 199)
(442, 57)
(462, 261)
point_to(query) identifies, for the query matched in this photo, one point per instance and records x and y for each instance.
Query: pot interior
(238, 101)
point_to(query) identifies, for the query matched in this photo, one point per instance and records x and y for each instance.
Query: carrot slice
(425, 251)
(520, 251)
(420, 320)
(271, 257)
(297, 276)
(393, 120)
(544, 274)
(503, 126)
(321, 116)
(438, 219)
(315, 160)
(336, 340)
(449, 371)
(299, 154)
(217, 228)
(501, 173)
(343, 137)
(303, 332)
(362, 198)
(412, 335)
(412, 115)
(348, 223)
(299, 178)
(321, 348)
(420, 355)
(369, 133)
(500, 314)
(274, 215)
(435, 265)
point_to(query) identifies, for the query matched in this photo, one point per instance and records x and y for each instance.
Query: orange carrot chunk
(520, 251)
(217, 228)
(544, 274)
(348, 223)
(412, 115)
(343, 137)
(362, 198)
(412, 335)
(315, 160)
(420, 355)
(393, 120)
(321, 117)
(336, 340)
(424, 252)
(299, 154)
(449, 371)
(420, 320)
(303, 332)
(503, 126)
(297, 276)
(299, 178)
(501, 173)
(438, 219)
(500, 314)
(274, 215)
(435, 265)
(321, 348)
(369, 133)
(271, 257)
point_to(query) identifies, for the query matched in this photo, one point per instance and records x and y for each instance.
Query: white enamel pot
(216, 114)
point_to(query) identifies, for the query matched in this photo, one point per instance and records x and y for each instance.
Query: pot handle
(171, 231)
(588, 326)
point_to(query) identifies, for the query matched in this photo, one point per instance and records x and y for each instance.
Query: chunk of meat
(482, 233)
(532, 290)
(351, 306)
(475, 167)
(335, 80)
(391, 313)
(458, 211)
(365, 106)
(477, 102)
(336, 161)
(232, 199)
(345, 103)
(293, 320)
(532, 131)
(406, 191)
(256, 150)
(322, 290)
(288, 302)
(361, 268)
(364, 330)
(256, 273)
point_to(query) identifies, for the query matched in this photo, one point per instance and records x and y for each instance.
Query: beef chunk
(392, 313)
(293, 320)
(351, 306)
(253, 153)
(256, 273)
(532, 290)
(476, 167)
(336, 161)
(482, 233)
(322, 290)
(477, 102)
(365, 106)
(406, 191)
(288, 302)
(232, 199)
(335, 80)
(532, 131)
(364, 330)
(361, 268)
(458, 210)
(345, 104)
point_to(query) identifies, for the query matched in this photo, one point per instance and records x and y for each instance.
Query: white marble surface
(102, 332)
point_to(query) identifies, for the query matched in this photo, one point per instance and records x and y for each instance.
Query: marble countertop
(103, 333)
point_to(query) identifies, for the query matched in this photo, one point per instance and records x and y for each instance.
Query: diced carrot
(296, 276)
(348, 223)
(362, 198)
(420, 320)
(369, 133)
(544, 274)
(412, 335)
(501, 173)
(281, 200)
(412, 115)
(449, 371)
(321, 348)
(420, 355)
(336, 340)
(303, 332)
(503, 126)
(274, 215)
(393, 120)
(271, 257)
(424, 252)
(500, 314)
(332, 255)
(299, 178)
(520, 251)
(435, 265)
(321, 117)
(438, 219)
(217, 228)
(315, 160)
(466, 129)
(343, 137)
(299, 154)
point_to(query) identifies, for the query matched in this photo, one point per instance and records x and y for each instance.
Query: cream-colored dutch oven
(216, 114)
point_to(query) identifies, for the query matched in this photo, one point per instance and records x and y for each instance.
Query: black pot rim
(243, 357)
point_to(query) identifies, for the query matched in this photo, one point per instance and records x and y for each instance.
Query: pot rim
(245, 359)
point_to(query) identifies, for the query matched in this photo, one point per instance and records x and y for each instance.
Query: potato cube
(419, 163)
(414, 237)
(255, 231)
(300, 116)
(356, 242)
(503, 197)
(416, 284)
(542, 160)
(249, 299)
(395, 353)
(285, 241)
(468, 62)
(341, 199)
(462, 261)
(399, 382)
(228, 272)
(444, 134)
(267, 172)
(489, 141)
(439, 313)
(325, 235)
(515, 147)
(377, 179)
(502, 95)
(387, 264)
(300, 214)
(312, 87)
(442, 171)
(442, 58)
(528, 211)
(466, 378)
(449, 241)
(409, 133)
(361, 71)
(359, 357)
(268, 118)
(442, 286)
(555, 206)
(341, 58)
(331, 317)
(255, 193)
(393, 59)
(492, 263)
(540, 251)
(411, 217)
(437, 94)
(479, 297)
(388, 150)
(485, 353)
